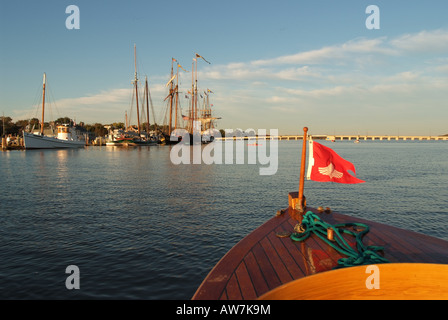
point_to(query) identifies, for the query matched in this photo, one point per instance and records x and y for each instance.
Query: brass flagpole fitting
(330, 234)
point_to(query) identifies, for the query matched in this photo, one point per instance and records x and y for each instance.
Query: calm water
(139, 227)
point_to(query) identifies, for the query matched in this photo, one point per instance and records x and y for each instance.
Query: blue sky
(274, 64)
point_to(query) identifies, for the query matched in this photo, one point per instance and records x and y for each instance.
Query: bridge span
(341, 137)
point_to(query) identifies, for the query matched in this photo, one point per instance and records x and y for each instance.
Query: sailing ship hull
(191, 139)
(131, 143)
(144, 143)
(35, 141)
(169, 140)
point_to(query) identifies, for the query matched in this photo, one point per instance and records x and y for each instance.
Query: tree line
(8, 127)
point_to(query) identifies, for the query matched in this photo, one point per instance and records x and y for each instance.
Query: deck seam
(262, 257)
(281, 242)
(281, 258)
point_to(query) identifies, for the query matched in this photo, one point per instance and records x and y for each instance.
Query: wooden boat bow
(264, 261)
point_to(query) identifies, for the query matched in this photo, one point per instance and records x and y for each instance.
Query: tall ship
(135, 136)
(172, 122)
(207, 119)
(67, 136)
(198, 122)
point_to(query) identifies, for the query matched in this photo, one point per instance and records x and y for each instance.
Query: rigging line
(150, 102)
(130, 108)
(143, 106)
(52, 102)
(165, 116)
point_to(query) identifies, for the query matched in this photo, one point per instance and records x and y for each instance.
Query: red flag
(326, 165)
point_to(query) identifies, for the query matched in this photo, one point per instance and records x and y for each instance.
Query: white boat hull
(35, 141)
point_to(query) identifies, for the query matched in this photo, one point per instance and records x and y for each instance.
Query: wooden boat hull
(265, 259)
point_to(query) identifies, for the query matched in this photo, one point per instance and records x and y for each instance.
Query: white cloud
(435, 41)
(333, 63)
(336, 54)
(102, 98)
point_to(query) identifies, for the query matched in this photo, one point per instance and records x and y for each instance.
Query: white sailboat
(66, 137)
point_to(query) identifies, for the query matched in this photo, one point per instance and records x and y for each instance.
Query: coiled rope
(364, 255)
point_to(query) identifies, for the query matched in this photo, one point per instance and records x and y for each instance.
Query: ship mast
(191, 115)
(136, 89)
(147, 104)
(195, 87)
(43, 105)
(196, 92)
(126, 120)
(177, 96)
(207, 112)
(170, 125)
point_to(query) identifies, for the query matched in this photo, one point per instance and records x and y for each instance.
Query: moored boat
(67, 136)
(135, 137)
(199, 122)
(120, 138)
(309, 253)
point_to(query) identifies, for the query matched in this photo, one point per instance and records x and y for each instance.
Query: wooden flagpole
(302, 202)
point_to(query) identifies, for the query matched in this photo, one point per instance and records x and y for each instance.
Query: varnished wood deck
(262, 261)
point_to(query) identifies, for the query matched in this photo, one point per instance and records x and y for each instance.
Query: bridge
(382, 137)
(339, 137)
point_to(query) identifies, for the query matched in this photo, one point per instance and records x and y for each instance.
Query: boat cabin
(64, 132)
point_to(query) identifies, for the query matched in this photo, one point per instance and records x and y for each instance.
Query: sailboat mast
(136, 89)
(126, 120)
(191, 115)
(177, 97)
(196, 92)
(147, 103)
(170, 125)
(43, 104)
(208, 112)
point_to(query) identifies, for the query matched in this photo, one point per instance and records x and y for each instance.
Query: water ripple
(139, 227)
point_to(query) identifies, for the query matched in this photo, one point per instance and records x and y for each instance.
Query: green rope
(364, 255)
